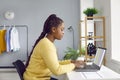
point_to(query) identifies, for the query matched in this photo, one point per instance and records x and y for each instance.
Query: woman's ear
(53, 29)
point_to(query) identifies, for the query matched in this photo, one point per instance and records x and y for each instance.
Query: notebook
(97, 63)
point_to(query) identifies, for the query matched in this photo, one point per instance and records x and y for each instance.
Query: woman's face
(59, 32)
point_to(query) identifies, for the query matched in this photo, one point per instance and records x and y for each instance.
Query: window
(115, 29)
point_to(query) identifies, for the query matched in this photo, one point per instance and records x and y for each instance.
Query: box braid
(52, 21)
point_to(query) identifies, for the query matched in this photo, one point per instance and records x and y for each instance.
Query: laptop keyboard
(89, 67)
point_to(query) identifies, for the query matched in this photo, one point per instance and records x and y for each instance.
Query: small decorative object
(90, 35)
(90, 12)
(91, 49)
(9, 15)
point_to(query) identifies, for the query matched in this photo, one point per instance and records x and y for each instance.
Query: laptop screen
(99, 56)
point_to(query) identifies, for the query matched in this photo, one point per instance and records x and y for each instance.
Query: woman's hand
(78, 63)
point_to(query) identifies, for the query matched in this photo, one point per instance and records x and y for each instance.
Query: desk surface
(104, 74)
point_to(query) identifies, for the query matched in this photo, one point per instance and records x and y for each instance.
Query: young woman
(43, 60)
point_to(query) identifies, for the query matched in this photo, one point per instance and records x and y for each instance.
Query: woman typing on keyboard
(43, 60)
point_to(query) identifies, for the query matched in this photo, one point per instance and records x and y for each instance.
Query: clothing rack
(24, 34)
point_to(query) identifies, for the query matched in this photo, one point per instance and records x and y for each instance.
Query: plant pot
(90, 15)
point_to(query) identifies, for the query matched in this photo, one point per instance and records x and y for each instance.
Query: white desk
(104, 74)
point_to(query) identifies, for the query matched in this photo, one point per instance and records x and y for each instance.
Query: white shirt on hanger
(14, 40)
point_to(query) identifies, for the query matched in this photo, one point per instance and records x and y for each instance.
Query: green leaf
(90, 11)
(71, 54)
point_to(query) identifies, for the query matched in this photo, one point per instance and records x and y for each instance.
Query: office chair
(20, 67)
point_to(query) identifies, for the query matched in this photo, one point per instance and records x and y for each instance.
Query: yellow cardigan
(2, 41)
(44, 62)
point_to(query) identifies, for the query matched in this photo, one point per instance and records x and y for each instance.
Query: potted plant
(90, 11)
(71, 54)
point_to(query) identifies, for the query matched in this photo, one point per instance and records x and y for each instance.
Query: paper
(91, 75)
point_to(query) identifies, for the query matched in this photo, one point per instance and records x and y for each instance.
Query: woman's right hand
(78, 63)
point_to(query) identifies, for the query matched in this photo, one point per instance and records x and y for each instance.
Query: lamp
(71, 29)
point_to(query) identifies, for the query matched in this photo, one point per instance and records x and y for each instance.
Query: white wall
(105, 10)
(115, 29)
(115, 40)
(84, 4)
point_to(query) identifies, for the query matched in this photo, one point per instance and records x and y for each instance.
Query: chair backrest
(20, 67)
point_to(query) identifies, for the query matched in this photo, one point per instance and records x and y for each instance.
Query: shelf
(90, 56)
(83, 39)
(94, 20)
(95, 17)
(97, 27)
(93, 37)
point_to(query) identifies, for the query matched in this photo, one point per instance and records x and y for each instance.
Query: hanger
(4, 27)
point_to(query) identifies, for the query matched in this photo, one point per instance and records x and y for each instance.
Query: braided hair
(51, 21)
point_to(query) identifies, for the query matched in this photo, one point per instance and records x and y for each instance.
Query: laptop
(97, 63)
